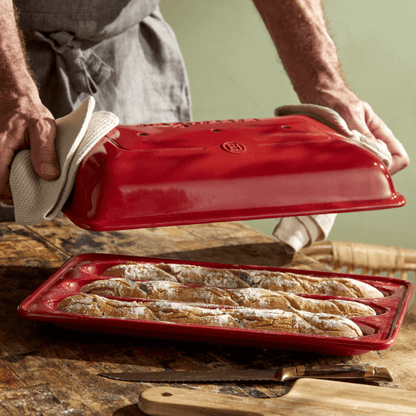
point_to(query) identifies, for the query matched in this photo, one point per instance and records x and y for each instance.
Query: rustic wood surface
(46, 370)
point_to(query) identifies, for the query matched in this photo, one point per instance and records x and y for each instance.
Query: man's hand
(309, 55)
(24, 121)
(360, 116)
(26, 125)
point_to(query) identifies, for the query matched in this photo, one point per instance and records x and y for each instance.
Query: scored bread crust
(94, 305)
(246, 297)
(296, 283)
(298, 322)
(239, 278)
(119, 287)
(180, 273)
(99, 306)
(247, 318)
(146, 271)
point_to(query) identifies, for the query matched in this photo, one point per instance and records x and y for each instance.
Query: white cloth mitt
(332, 119)
(36, 199)
(298, 232)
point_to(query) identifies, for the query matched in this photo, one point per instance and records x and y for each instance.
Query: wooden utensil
(309, 397)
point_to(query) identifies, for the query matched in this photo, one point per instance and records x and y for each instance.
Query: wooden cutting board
(307, 397)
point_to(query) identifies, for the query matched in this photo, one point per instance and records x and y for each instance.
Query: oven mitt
(35, 199)
(298, 232)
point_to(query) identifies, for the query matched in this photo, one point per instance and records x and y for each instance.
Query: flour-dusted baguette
(186, 314)
(297, 283)
(88, 304)
(268, 299)
(298, 322)
(98, 306)
(247, 297)
(119, 287)
(239, 278)
(247, 318)
(180, 273)
(139, 271)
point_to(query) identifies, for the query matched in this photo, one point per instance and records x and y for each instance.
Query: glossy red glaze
(380, 331)
(182, 173)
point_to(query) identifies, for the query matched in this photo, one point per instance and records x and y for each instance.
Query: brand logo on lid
(233, 147)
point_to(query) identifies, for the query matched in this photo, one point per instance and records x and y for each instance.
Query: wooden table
(46, 370)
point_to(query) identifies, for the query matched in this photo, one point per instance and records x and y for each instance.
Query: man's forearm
(307, 52)
(309, 55)
(15, 78)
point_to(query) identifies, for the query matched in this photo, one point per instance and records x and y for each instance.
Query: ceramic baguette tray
(187, 173)
(380, 331)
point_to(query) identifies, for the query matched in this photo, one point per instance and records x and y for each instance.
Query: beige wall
(235, 73)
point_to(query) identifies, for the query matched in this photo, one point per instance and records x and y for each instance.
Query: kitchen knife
(333, 372)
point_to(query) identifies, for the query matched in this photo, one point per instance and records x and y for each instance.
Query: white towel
(35, 199)
(332, 119)
(298, 232)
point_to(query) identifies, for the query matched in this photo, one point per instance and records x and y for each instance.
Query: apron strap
(83, 67)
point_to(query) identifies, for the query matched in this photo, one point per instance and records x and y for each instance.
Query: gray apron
(122, 52)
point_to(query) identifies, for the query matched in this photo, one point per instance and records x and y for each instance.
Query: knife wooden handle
(308, 397)
(171, 401)
(336, 372)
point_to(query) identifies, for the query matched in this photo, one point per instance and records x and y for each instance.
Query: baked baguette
(247, 297)
(298, 322)
(239, 278)
(98, 306)
(87, 304)
(297, 283)
(179, 313)
(270, 320)
(139, 271)
(267, 299)
(180, 273)
(119, 287)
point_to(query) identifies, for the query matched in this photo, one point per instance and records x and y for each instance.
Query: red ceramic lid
(182, 173)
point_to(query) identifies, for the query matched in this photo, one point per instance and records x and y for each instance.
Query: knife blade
(332, 372)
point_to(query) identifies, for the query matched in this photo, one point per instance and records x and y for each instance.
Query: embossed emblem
(233, 147)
